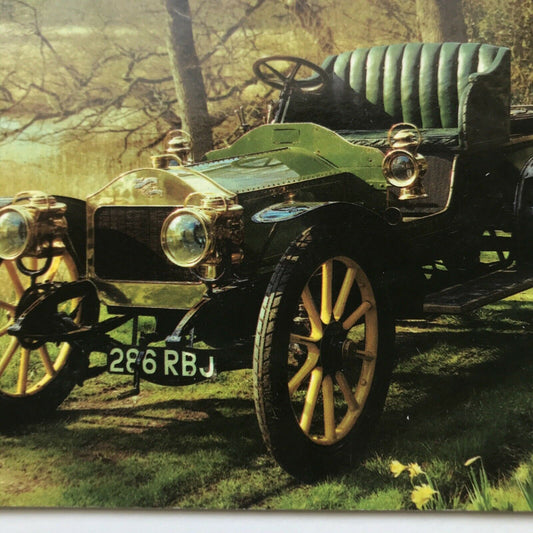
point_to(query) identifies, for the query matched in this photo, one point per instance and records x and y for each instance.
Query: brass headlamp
(32, 225)
(403, 166)
(204, 232)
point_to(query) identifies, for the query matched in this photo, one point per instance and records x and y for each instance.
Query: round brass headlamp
(402, 168)
(186, 237)
(33, 225)
(15, 232)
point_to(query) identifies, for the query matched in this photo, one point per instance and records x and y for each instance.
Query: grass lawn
(461, 388)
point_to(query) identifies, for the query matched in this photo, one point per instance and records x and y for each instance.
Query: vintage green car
(391, 182)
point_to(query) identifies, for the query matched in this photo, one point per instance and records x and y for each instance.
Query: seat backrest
(420, 83)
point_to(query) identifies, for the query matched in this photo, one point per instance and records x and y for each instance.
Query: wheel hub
(331, 348)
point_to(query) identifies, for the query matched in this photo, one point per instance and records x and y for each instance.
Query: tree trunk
(441, 20)
(188, 78)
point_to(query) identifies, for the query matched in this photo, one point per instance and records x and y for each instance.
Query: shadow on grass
(134, 456)
(461, 388)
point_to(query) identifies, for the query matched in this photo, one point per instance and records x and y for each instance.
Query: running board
(478, 292)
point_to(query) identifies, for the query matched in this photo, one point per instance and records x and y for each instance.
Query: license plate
(165, 366)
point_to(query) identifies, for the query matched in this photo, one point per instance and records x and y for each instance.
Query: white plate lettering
(171, 360)
(160, 361)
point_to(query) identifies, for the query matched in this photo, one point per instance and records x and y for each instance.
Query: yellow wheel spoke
(3, 330)
(10, 311)
(340, 378)
(365, 356)
(306, 368)
(311, 399)
(22, 382)
(71, 266)
(10, 308)
(302, 339)
(47, 362)
(8, 354)
(329, 409)
(15, 280)
(356, 315)
(314, 317)
(342, 299)
(50, 274)
(327, 283)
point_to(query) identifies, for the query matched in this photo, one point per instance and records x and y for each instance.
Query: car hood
(268, 157)
(266, 170)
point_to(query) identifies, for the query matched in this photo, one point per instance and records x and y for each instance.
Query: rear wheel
(323, 355)
(33, 382)
(523, 211)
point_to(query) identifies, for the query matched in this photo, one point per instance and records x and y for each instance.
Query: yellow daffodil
(397, 468)
(472, 460)
(421, 495)
(414, 470)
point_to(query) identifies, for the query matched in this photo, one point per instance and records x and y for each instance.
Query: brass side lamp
(403, 166)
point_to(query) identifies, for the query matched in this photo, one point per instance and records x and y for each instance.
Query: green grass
(461, 388)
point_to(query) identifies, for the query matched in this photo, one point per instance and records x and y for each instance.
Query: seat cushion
(426, 84)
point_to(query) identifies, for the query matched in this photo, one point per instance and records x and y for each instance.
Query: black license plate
(162, 365)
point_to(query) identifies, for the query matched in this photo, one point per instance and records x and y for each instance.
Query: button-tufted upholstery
(462, 88)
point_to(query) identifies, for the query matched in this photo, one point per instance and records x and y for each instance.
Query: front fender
(291, 218)
(391, 251)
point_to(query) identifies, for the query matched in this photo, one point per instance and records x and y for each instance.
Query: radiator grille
(127, 245)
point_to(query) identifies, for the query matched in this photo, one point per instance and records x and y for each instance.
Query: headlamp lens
(400, 168)
(185, 239)
(14, 234)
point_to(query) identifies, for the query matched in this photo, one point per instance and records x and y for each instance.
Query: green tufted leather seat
(458, 94)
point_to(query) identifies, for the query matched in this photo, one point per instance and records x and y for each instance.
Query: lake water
(46, 159)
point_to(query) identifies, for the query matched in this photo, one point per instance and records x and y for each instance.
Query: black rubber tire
(299, 453)
(523, 212)
(42, 391)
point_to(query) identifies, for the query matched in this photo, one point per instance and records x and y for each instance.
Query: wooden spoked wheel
(33, 380)
(323, 354)
(333, 350)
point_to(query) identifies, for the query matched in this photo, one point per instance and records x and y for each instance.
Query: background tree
(310, 18)
(91, 80)
(507, 23)
(188, 80)
(441, 20)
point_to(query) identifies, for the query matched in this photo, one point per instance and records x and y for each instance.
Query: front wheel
(323, 355)
(33, 382)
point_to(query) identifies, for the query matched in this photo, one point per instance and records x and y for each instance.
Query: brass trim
(141, 294)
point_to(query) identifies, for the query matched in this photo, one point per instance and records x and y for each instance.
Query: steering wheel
(268, 73)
